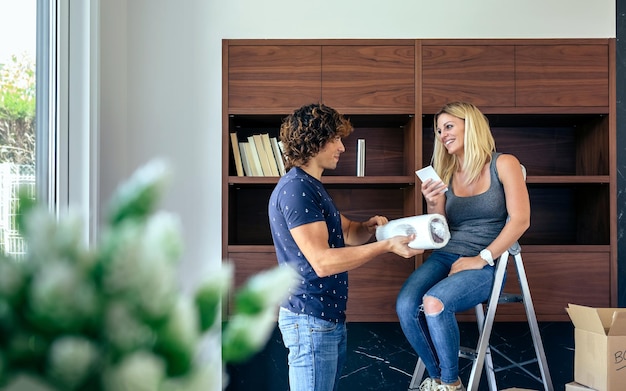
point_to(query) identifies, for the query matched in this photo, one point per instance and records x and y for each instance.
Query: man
(312, 237)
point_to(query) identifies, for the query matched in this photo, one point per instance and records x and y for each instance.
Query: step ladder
(482, 354)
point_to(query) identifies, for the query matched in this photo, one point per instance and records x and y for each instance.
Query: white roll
(431, 230)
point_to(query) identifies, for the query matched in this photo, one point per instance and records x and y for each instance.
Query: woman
(484, 189)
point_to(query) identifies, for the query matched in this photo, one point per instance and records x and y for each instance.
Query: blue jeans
(317, 351)
(435, 337)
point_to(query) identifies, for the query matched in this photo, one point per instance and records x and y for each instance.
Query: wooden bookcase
(549, 102)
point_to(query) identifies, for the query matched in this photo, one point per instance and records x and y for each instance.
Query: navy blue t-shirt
(300, 199)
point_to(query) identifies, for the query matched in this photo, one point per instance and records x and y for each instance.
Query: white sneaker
(447, 387)
(428, 385)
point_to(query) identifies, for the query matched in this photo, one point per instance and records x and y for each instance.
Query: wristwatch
(487, 257)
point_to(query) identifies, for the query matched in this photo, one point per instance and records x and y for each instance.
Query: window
(17, 113)
(39, 118)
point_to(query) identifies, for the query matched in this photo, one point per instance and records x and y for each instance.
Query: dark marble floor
(380, 358)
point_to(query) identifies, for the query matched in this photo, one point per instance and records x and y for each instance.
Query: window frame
(67, 120)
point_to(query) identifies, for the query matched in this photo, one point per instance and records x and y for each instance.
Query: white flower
(71, 360)
(124, 331)
(48, 237)
(113, 317)
(136, 270)
(178, 336)
(137, 197)
(140, 371)
(209, 295)
(61, 298)
(162, 236)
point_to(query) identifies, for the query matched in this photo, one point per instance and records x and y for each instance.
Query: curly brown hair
(305, 132)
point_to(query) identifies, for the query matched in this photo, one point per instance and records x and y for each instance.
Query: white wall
(161, 75)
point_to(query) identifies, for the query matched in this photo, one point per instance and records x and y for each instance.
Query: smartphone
(428, 172)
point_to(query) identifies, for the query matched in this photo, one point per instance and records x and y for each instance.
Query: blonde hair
(479, 143)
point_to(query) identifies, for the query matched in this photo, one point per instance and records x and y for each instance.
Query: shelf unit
(551, 102)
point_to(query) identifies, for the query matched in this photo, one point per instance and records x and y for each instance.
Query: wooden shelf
(550, 102)
(376, 181)
(569, 179)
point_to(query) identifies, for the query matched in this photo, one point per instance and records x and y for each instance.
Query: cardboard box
(600, 347)
(573, 386)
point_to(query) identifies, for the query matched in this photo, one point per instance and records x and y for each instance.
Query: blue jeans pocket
(322, 326)
(290, 330)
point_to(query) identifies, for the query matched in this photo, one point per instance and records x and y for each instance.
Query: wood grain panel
(273, 77)
(250, 224)
(384, 153)
(542, 150)
(552, 216)
(247, 264)
(481, 74)
(562, 75)
(359, 204)
(374, 288)
(593, 214)
(369, 79)
(557, 279)
(592, 152)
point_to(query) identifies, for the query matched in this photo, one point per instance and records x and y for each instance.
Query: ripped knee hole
(432, 305)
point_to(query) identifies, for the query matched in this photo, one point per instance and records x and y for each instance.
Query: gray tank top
(475, 221)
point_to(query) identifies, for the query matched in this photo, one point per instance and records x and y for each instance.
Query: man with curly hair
(311, 236)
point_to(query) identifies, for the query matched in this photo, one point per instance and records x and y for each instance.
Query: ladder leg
(489, 370)
(532, 322)
(418, 375)
(485, 330)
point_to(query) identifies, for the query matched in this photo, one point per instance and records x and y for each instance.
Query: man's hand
(400, 246)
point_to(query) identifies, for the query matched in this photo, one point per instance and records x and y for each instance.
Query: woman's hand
(433, 192)
(373, 222)
(467, 263)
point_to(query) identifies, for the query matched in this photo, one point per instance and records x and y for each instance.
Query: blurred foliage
(17, 111)
(112, 317)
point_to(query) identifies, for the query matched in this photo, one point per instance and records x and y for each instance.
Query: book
(267, 144)
(278, 155)
(360, 157)
(257, 143)
(236, 154)
(245, 161)
(253, 157)
(282, 153)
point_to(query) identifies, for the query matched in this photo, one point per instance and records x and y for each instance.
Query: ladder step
(467, 353)
(510, 298)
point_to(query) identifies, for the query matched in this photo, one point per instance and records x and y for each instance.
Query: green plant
(112, 317)
(17, 111)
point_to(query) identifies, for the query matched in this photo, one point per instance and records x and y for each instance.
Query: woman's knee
(407, 306)
(432, 305)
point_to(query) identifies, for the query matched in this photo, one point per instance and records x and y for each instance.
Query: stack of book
(260, 155)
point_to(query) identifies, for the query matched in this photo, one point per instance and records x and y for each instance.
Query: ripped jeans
(435, 337)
